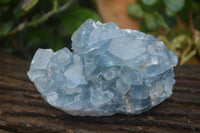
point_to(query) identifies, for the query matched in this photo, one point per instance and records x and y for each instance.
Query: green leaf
(151, 22)
(38, 37)
(143, 27)
(160, 20)
(149, 2)
(154, 21)
(24, 7)
(169, 20)
(169, 12)
(28, 4)
(150, 8)
(73, 18)
(174, 5)
(18, 11)
(5, 28)
(135, 10)
(56, 43)
(36, 16)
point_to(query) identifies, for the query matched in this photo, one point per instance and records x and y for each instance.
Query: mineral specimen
(111, 70)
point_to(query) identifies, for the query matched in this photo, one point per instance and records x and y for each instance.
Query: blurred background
(26, 25)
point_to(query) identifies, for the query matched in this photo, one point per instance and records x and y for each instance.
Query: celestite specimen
(111, 70)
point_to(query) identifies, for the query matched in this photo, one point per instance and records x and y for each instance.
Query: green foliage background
(26, 25)
(176, 22)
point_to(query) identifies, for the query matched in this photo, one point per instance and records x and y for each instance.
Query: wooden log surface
(22, 108)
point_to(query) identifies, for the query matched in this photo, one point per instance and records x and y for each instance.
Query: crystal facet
(111, 70)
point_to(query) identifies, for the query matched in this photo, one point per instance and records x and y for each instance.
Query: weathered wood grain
(22, 108)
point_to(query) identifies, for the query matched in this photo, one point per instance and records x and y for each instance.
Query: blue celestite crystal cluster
(111, 70)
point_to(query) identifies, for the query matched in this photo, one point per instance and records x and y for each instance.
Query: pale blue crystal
(39, 63)
(111, 70)
(74, 73)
